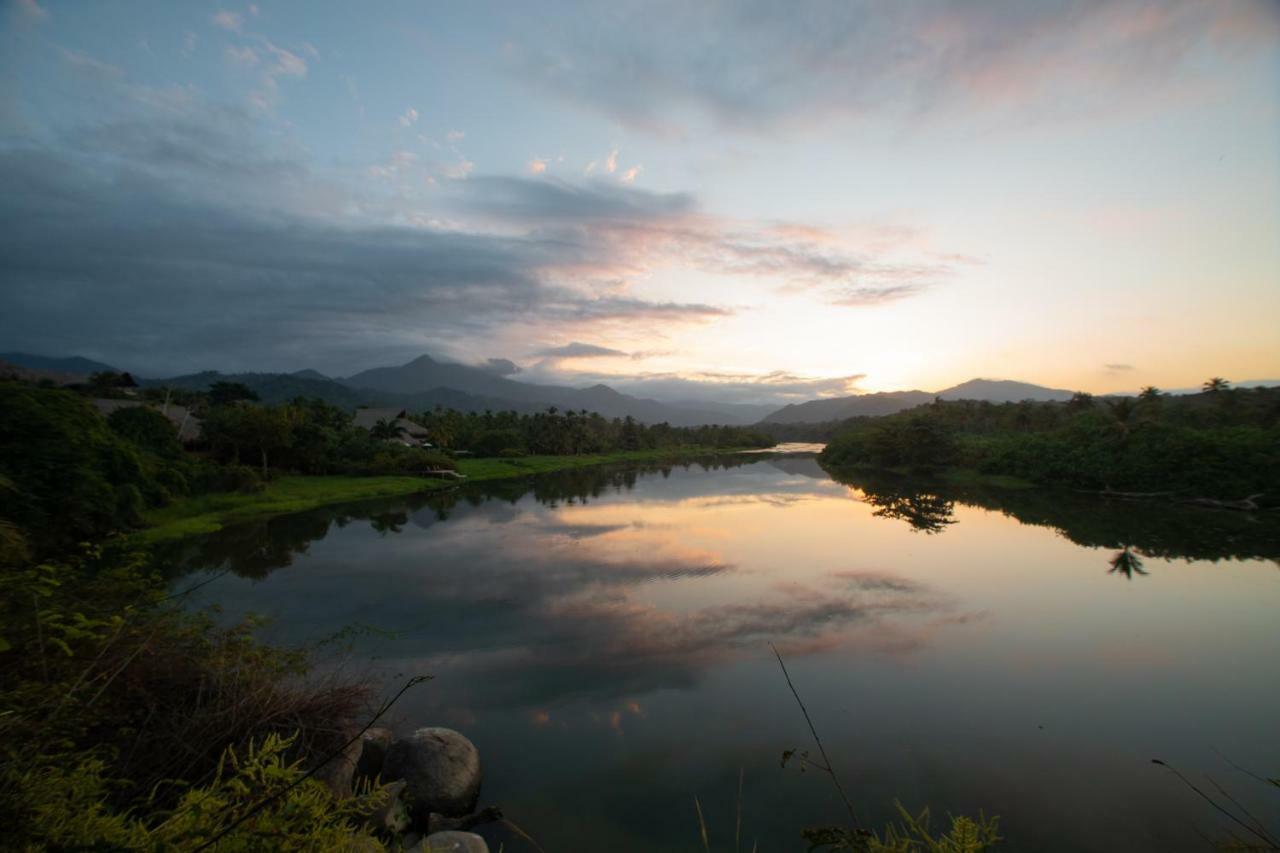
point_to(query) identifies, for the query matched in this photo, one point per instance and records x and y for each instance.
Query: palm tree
(1214, 385)
(386, 430)
(1150, 392)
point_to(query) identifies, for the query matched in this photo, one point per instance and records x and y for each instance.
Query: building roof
(188, 425)
(367, 418)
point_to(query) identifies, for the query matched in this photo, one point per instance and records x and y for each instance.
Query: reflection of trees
(255, 549)
(905, 499)
(1152, 528)
(922, 510)
(389, 522)
(1126, 563)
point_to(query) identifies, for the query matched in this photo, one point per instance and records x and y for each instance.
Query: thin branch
(830, 768)
(1211, 801)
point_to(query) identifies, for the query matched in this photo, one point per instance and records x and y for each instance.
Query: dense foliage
(68, 475)
(126, 723)
(557, 433)
(1221, 444)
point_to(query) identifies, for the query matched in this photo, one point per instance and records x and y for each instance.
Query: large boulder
(442, 769)
(375, 742)
(454, 842)
(338, 771)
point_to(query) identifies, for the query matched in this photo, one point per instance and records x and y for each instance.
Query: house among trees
(393, 425)
(190, 430)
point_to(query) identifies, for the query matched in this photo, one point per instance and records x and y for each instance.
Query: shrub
(96, 665)
(72, 479)
(147, 429)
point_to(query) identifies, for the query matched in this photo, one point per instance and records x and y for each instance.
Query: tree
(1080, 401)
(109, 383)
(1215, 385)
(1150, 392)
(249, 428)
(225, 393)
(385, 430)
(146, 428)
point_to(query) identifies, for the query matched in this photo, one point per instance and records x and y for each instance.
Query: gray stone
(454, 842)
(376, 742)
(442, 769)
(338, 772)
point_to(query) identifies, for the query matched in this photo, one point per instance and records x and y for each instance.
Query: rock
(454, 842)
(411, 841)
(339, 770)
(442, 769)
(375, 742)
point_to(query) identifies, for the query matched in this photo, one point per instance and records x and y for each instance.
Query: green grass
(210, 513)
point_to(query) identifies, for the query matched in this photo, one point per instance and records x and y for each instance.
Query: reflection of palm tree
(1126, 563)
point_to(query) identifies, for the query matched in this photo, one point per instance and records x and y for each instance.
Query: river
(603, 636)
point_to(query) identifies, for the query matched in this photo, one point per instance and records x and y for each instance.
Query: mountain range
(889, 402)
(425, 383)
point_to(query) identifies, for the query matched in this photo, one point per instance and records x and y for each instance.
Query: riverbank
(945, 476)
(210, 513)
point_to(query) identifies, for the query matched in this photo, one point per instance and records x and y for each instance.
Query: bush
(71, 478)
(147, 429)
(98, 669)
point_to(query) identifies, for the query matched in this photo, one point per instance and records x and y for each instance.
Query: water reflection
(602, 634)
(1149, 529)
(1126, 563)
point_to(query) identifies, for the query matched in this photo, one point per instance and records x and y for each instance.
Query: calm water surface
(602, 636)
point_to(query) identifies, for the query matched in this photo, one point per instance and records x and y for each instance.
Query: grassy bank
(210, 513)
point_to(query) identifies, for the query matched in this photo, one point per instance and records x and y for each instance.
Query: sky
(746, 201)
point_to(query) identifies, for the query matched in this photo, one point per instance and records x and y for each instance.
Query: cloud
(611, 162)
(229, 21)
(245, 56)
(759, 65)
(522, 200)
(501, 366)
(536, 166)
(774, 388)
(581, 350)
(1118, 368)
(455, 136)
(644, 230)
(31, 10)
(629, 176)
(177, 225)
(86, 64)
(202, 246)
(409, 117)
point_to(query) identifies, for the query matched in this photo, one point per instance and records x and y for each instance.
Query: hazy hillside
(424, 383)
(891, 402)
(1003, 391)
(73, 364)
(424, 376)
(840, 408)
